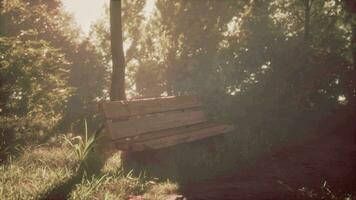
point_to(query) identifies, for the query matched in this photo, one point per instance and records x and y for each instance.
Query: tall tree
(117, 90)
(307, 8)
(85, 71)
(132, 36)
(192, 63)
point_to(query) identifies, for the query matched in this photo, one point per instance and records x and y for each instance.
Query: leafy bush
(33, 89)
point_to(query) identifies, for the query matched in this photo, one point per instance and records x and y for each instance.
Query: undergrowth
(36, 171)
(65, 171)
(70, 166)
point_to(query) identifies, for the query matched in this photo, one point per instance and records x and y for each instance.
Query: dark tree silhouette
(117, 91)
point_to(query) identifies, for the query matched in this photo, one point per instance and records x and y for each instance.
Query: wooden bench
(148, 124)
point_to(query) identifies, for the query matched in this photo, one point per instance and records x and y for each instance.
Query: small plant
(82, 146)
(323, 193)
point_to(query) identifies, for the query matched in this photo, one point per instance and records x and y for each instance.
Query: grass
(45, 171)
(82, 147)
(49, 171)
(122, 186)
(320, 193)
(63, 167)
(36, 171)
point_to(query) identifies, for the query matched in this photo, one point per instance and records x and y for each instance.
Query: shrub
(33, 90)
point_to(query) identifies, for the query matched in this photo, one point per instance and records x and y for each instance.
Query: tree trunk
(169, 73)
(307, 4)
(117, 90)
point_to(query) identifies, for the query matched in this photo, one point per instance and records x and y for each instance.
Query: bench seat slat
(125, 143)
(122, 109)
(161, 121)
(183, 137)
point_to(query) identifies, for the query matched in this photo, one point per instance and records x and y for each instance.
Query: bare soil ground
(308, 163)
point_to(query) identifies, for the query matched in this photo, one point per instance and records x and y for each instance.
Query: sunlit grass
(122, 186)
(37, 171)
(161, 191)
(41, 169)
(114, 182)
(81, 147)
(113, 187)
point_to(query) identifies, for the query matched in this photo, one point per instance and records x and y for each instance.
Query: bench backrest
(131, 118)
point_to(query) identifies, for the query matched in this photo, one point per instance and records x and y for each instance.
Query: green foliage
(239, 49)
(37, 170)
(253, 62)
(40, 170)
(82, 147)
(84, 71)
(252, 58)
(34, 89)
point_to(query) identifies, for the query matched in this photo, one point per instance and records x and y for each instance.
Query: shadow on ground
(300, 170)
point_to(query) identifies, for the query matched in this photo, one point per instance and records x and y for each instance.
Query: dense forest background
(266, 64)
(281, 71)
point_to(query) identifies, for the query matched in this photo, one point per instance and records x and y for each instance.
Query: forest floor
(315, 166)
(319, 167)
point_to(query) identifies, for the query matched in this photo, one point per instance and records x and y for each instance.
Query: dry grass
(41, 169)
(115, 183)
(122, 187)
(37, 171)
(161, 191)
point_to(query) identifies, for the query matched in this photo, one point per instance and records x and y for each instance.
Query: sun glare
(86, 12)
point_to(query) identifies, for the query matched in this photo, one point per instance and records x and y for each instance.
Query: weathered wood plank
(181, 138)
(156, 122)
(125, 143)
(122, 109)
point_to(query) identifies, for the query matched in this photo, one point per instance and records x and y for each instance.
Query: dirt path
(308, 164)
